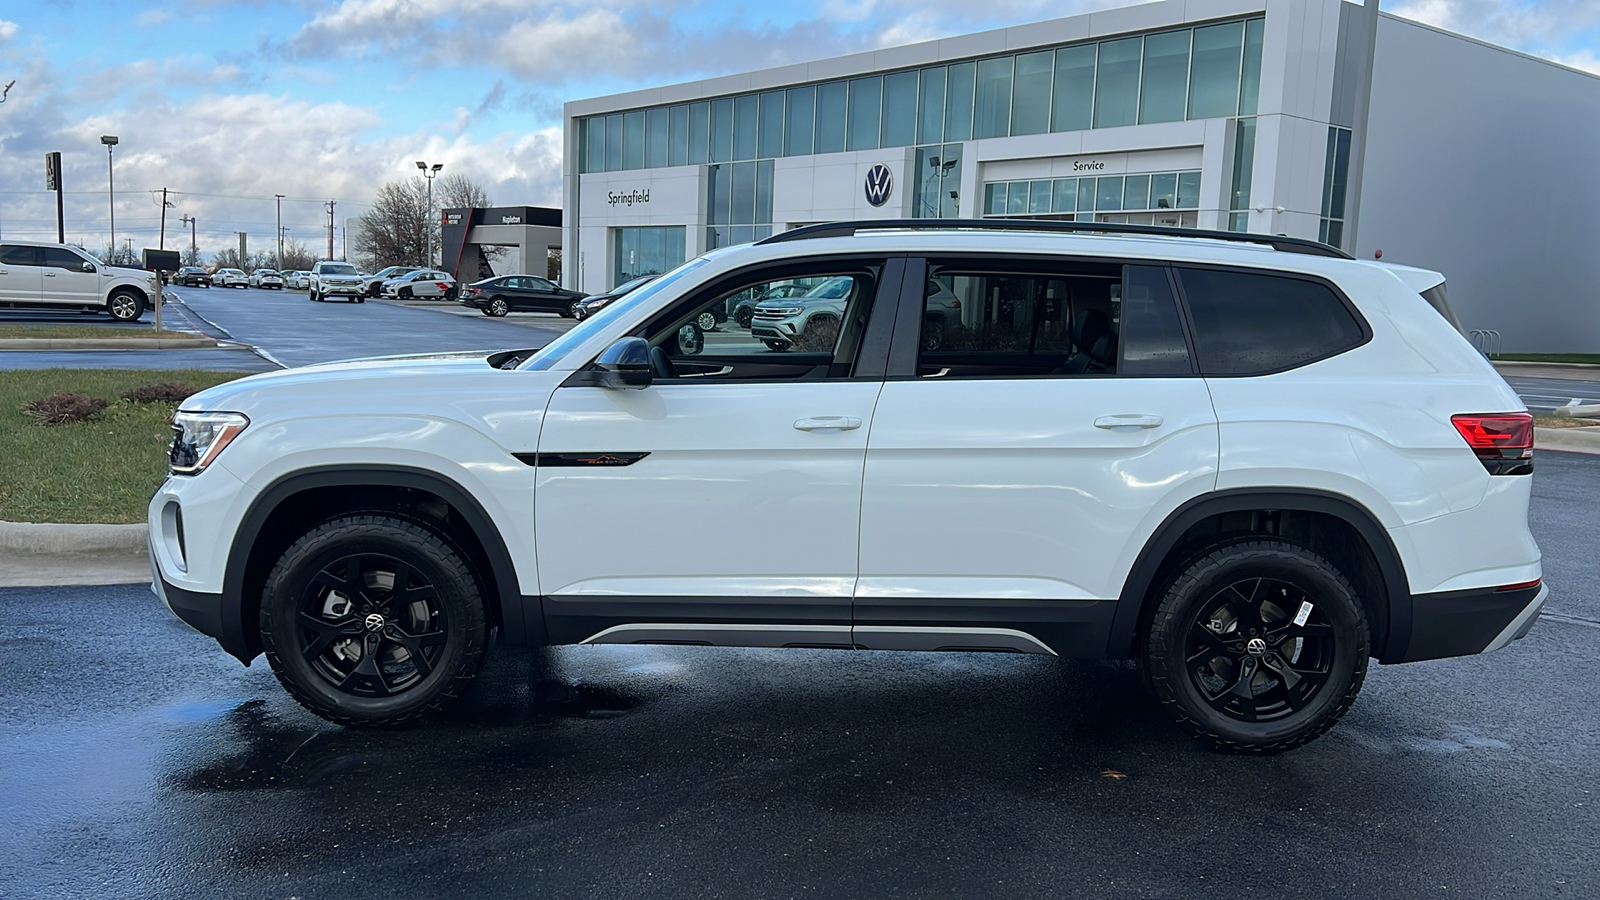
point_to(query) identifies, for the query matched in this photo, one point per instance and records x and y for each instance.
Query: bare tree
(191, 256)
(456, 191)
(297, 256)
(227, 259)
(395, 231)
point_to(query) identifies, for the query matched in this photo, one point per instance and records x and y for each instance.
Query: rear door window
(18, 256)
(1254, 323)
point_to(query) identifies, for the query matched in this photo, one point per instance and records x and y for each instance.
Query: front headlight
(780, 310)
(197, 438)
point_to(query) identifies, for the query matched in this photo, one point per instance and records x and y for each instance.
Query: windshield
(339, 269)
(557, 349)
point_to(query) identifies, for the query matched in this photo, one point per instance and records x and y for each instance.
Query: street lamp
(280, 230)
(110, 140)
(428, 174)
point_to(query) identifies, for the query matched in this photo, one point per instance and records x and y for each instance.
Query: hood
(348, 379)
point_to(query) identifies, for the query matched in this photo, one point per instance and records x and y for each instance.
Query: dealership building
(1323, 119)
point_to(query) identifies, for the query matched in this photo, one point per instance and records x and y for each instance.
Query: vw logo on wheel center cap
(1255, 647)
(374, 622)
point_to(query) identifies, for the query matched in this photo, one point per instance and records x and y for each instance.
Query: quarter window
(1248, 323)
(17, 256)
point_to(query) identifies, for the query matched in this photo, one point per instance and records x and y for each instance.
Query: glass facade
(1154, 198)
(1244, 158)
(1335, 182)
(1211, 71)
(738, 203)
(645, 251)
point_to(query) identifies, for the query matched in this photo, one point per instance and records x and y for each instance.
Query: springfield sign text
(628, 198)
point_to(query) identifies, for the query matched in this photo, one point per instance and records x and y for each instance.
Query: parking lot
(143, 762)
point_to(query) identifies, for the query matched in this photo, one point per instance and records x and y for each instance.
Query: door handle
(1127, 420)
(826, 423)
(49, 274)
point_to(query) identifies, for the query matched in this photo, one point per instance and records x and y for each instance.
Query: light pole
(194, 252)
(110, 140)
(428, 174)
(280, 230)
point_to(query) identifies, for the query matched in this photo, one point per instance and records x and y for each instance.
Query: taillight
(1503, 442)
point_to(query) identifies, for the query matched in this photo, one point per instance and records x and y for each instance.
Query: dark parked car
(192, 276)
(582, 309)
(518, 293)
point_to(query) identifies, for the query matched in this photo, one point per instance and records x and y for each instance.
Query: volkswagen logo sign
(880, 184)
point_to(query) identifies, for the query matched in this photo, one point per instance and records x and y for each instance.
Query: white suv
(330, 278)
(40, 275)
(1249, 462)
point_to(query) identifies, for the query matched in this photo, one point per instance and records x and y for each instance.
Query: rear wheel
(706, 320)
(1257, 646)
(497, 307)
(373, 619)
(125, 306)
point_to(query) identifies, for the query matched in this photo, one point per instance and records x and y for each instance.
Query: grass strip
(102, 470)
(91, 331)
(1592, 359)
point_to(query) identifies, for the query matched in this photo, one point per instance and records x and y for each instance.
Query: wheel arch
(1379, 571)
(286, 505)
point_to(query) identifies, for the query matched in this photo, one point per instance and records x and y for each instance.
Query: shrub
(165, 392)
(64, 408)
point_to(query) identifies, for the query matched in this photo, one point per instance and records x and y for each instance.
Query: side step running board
(864, 637)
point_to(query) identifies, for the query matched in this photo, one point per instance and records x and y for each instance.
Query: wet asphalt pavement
(137, 760)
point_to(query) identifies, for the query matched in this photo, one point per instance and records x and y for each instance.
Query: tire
(777, 346)
(706, 320)
(497, 308)
(315, 297)
(405, 293)
(1223, 644)
(319, 639)
(125, 306)
(743, 317)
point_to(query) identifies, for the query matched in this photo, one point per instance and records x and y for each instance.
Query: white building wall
(1481, 164)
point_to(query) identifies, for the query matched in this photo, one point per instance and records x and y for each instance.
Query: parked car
(518, 293)
(372, 285)
(421, 284)
(267, 279)
(192, 276)
(298, 280)
(582, 309)
(1250, 462)
(332, 278)
(232, 278)
(47, 275)
(744, 307)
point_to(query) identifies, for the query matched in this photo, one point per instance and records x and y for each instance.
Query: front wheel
(706, 320)
(1257, 645)
(405, 293)
(373, 619)
(497, 308)
(316, 297)
(125, 306)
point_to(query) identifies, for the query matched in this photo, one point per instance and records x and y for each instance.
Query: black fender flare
(241, 638)
(1130, 604)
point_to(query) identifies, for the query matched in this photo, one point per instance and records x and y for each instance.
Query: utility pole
(194, 252)
(280, 229)
(162, 241)
(242, 254)
(330, 205)
(52, 181)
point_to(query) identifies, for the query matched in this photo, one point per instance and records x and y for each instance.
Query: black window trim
(1350, 307)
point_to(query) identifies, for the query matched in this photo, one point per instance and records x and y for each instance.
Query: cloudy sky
(228, 102)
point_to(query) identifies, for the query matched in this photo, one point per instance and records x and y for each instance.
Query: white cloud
(1529, 27)
(8, 30)
(151, 17)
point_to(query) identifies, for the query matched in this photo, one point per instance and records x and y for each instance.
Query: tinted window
(16, 256)
(61, 258)
(1249, 324)
(539, 284)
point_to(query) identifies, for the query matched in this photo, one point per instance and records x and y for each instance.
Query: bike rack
(1486, 340)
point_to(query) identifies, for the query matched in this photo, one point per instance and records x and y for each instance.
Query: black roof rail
(847, 229)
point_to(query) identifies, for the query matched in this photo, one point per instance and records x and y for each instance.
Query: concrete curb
(1584, 439)
(197, 343)
(47, 539)
(35, 555)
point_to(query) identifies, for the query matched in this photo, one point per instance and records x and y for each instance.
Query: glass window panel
(1016, 198)
(958, 102)
(743, 234)
(1240, 222)
(925, 183)
(1108, 192)
(1164, 85)
(770, 142)
(930, 115)
(633, 140)
(1030, 100)
(1151, 341)
(678, 136)
(1250, 78)
(950, 181)
(1335, 233)
(1116, 96)
(802, 114)
(994, 198)
(764, 170)
(1072, 101)
(1251, 323)
(1065, 195)
(1136, 192)
(614, 143)
(1039, 197)
(866, 98)
(743, 201)
(699, 133)
(994, 98)
(1341, 172)
(596, 156)
(1085, 195)
(745, 121)
(1244, 157)
(1085, 216)
(830, 116)
(763, 232)
(655, 138)
(1214, 72)
(1164, 190)
(719, 190)
(722, 130)
(1188, 190)
(899, 109)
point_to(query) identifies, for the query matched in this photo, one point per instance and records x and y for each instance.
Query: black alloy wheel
(497, 307)
(1257, 646)
(373, 619)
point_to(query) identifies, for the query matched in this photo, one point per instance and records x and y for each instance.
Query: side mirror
(624, 365)
(88, 266)
(691, 339)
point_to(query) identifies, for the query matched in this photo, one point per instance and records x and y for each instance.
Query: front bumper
(204, 612)
(1463, 623)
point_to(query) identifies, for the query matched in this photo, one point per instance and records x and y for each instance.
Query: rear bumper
(1463, 623)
